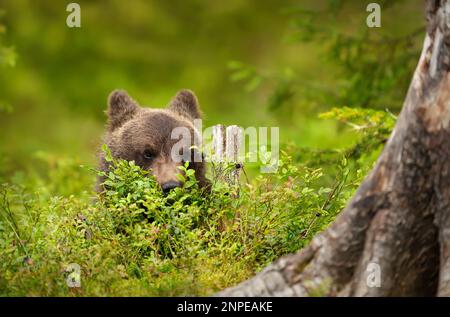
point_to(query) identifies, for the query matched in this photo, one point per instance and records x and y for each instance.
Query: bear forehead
(153, 127)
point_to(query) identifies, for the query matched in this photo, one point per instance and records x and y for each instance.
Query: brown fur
(134, 131)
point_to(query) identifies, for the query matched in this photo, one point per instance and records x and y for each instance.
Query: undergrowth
(131, 240)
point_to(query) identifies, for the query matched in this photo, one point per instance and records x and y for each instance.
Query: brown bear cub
(145, 136)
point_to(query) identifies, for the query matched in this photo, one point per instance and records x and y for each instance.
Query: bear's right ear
(121, 108)
(185, 103)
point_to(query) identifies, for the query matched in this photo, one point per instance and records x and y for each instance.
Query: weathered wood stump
(226, 158)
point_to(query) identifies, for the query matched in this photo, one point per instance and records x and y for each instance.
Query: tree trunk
(399, 219)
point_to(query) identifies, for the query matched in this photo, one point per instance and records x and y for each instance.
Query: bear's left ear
(185, 103)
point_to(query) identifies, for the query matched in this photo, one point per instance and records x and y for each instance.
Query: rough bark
(399, 218)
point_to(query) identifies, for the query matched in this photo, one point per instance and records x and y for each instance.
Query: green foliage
(134, 240)
(357, 66)
(345, 168)
(159, 225)
(242, 72)
(7, 54)
(7, 59)
(385, 62)
(374, 127)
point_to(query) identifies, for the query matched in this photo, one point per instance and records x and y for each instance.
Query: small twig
(245, 174)
(336, 185)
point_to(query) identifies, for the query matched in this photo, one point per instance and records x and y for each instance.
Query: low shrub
(132, 240)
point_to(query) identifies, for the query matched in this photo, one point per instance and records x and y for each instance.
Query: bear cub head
(144, 135)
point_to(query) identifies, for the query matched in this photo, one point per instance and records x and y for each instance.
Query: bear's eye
(148, 155)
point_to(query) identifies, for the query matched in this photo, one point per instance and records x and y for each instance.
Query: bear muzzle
(168, 186)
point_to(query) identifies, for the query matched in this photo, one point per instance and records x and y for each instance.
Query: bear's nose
(166, 187)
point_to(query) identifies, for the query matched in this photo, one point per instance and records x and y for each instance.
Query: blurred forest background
(251, 63)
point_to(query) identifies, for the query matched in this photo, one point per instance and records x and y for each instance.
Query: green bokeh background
(62, 77)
